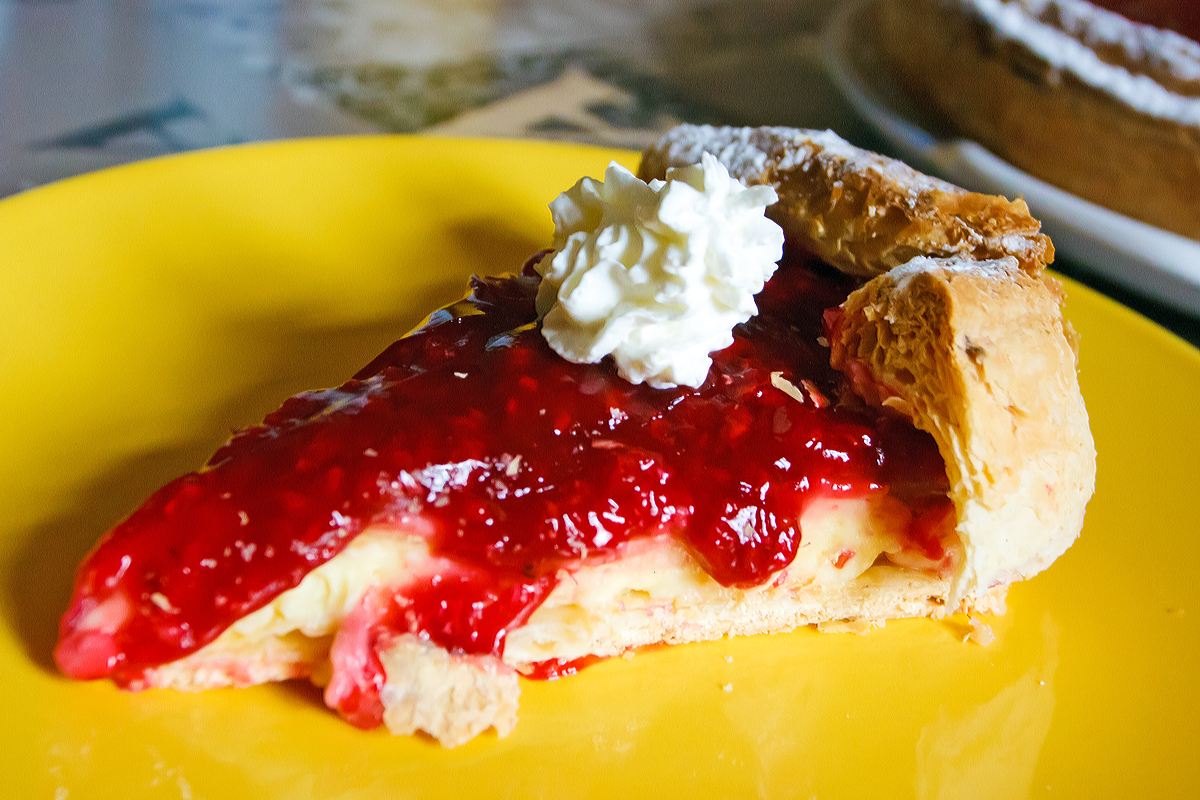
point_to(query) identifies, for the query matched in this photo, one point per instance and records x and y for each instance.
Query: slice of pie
(472, 507)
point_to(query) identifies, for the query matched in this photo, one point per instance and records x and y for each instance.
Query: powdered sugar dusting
(1064, 33)
(685, 144)
(754, 154)
(998, 269)
(1016, 243)
(815, 170)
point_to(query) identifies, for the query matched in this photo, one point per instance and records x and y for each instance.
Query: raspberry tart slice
(500, 494)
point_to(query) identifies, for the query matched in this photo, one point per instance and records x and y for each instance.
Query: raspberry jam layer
(518, 463)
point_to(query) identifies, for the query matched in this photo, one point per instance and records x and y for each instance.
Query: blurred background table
(87, 84)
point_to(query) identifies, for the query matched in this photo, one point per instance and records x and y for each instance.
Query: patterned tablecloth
(86, 84)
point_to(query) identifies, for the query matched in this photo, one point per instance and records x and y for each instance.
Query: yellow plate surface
(148, 310)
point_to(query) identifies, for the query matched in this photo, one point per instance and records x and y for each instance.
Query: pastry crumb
(980, 634)
(856, 626)
(159, 599)
(818, 400)
(787, 387)
(728, 659)
(727, 687)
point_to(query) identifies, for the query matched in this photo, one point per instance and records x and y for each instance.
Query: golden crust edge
(859, 211)
(980, 356)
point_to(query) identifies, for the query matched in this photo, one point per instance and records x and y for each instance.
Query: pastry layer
(599, 609)
(655, 593)
(859, 211)
(979, 356)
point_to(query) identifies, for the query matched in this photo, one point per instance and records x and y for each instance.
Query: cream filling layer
(656, 589)
(652, 593)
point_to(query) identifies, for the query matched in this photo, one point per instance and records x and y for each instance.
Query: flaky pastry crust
(973, 348)
(859, 211)
(978, 355)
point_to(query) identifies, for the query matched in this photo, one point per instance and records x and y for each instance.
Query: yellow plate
(148, 310)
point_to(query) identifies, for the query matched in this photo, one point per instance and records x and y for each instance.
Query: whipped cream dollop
(656, 274)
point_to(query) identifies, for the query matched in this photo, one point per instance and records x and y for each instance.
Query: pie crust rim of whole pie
(1100, 106)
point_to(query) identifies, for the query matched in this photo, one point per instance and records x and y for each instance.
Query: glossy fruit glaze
(1181, 16)
(518, 463)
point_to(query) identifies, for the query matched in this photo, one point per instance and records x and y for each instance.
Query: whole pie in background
(1099, 98)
